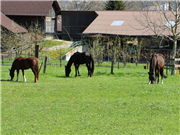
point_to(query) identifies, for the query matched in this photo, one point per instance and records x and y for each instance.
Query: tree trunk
(174, 55)
(174, 49)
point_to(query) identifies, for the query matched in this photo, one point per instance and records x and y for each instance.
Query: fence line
(172, 64)
(169, 65)
(6, 63)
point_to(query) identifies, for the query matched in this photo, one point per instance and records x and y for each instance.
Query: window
(170, 23)
(117, 23)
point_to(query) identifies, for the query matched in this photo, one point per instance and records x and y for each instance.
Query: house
(26, 12)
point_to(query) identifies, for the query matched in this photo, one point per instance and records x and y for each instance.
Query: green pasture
(119, 103)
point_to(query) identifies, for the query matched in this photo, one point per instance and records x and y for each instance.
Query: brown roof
(38, 8)
(11, 25)
(132, 23)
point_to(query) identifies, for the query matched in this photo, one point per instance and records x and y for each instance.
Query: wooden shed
(75, 22)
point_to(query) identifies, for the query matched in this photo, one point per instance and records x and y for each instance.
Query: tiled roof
(131, 23)
(11, 25)
(38, 8)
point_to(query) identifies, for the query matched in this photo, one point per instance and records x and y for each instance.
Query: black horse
(157, 64)
(80, 58)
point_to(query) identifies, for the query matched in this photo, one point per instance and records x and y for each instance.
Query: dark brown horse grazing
(80, 58)
(25, 63)
(157, 64)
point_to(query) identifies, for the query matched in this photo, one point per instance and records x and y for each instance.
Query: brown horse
(157, 64)
(80, 58)
(23, 64)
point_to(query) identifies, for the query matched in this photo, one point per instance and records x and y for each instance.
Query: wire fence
(45, 60)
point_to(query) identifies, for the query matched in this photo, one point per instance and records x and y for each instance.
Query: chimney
(165, 6)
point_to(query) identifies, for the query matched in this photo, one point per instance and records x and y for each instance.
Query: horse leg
(17, 75)
(35, 74)
(24, 75)
(76, 68)
(89, 71)
(158, 76)
(162, 75)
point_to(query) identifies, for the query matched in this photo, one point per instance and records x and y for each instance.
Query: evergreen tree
(115, 5)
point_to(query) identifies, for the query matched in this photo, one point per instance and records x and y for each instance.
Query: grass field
(119, 103)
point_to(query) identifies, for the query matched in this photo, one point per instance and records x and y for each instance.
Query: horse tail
(164, 64)
(92, 65)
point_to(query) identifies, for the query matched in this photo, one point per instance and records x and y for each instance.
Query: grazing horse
(23, 64)
(157, 64)
(80, 58)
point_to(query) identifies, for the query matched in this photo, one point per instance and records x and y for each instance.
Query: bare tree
(97, 49)
(165, 24)
(81, 5)
(22, 41)
(35, 36)
(11, 40)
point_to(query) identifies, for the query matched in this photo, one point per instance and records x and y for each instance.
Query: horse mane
(13, 67)
(70, 61)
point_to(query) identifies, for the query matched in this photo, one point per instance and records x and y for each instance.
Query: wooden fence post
(118, 64)
(45, 63)
(60, 58)
(40, 66)
(173, 67)
(28, 54)
(177, 71)
(36, 51)
(166, 66)
(2, 60)
(112, 62)
(60, 62)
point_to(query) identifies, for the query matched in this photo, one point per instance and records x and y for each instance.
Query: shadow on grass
(5, 80)
(121, 74)
(61, 76)
(109, 74)
(8, 80)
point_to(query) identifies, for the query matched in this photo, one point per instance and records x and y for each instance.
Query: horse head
(11, 74)
(67, 71)
(152, 77)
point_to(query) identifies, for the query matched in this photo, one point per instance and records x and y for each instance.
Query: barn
(75, 22)
(129, 24)
(26, 12)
